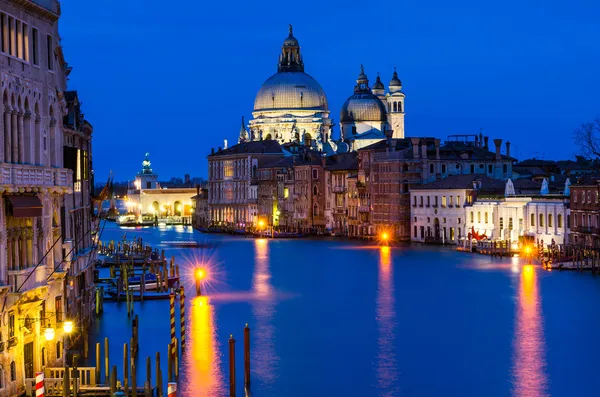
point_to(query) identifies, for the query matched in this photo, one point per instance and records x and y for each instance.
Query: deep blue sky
(174, 78)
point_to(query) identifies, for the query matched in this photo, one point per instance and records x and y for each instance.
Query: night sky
(174, 78)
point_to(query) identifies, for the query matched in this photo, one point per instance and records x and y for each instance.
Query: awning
(24, 206)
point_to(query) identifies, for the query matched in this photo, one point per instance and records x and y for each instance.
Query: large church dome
(290, 88)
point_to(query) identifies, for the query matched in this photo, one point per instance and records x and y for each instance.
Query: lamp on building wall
(49, 333)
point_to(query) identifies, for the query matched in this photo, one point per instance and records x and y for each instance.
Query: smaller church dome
(362, 107)
(378, 84)
(395, 82)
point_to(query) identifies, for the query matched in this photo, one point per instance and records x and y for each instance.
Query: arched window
(13, 371)
(254, 170)
(486, 217)
(443, 168)
(532, 220)
(268, 137)
(58, 350)
(431, 169)
(315, 190)
(549, 220)
(43, 357)
(541, 220)
(478, 217)
(471, 216)
(472, 168)
(178, 208)
(399, 106)
(559, 221)
(395, 107)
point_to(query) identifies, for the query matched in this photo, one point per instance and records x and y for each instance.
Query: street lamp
(67, 329)
(49, 333)
(199, 276)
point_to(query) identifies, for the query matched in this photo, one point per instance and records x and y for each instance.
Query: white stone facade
(438, 215)
(543, 218)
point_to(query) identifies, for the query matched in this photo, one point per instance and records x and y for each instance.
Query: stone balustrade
(19, 278)
(33, 176)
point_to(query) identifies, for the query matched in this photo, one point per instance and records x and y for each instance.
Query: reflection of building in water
(202, 364)
(147, 197)
(264, 356)
(529, 366)
(387, 373)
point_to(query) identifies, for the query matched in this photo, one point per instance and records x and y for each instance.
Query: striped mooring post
(172, 312)
(172, 389)
(39, 384)
(182, 317)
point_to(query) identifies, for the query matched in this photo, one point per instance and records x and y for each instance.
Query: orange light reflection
(202, 369)
(386, 368)
(529, 365)
(263, 353)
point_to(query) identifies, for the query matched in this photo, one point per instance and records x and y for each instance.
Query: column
(21, 135)
(23, 246)
(15, 137)
(38, 145)
(7, 135)
(34, 243)
(52, 146)
(2, 135)
(29, 139)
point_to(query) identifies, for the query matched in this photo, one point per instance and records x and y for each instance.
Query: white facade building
(438, 215)
(542, 217)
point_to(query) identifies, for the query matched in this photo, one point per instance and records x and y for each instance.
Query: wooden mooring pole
(247, 356)
(231, 366)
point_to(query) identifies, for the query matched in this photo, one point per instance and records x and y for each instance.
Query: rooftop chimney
(415, 145)
(508, 148)
(212, 150)
(498, 143)
(485, 140)
(197, 189)
(424, 149)
(437, 149)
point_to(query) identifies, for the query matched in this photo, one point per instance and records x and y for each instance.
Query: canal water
(332, 317)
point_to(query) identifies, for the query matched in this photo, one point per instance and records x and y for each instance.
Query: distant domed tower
(291, 105)
(363, 117)
(146, 178)
(395, 106)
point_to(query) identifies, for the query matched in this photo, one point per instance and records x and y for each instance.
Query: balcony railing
(16, 278)
(33, 175)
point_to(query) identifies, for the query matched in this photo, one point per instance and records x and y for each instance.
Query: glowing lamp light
(49, 333)
(527, 250)
(261, 223)
(68, 327)
(200, 274)
(385, 236)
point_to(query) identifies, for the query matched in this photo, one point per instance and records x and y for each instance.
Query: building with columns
(46, 226)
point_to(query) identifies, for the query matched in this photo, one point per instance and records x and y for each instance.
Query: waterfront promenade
(335, 317)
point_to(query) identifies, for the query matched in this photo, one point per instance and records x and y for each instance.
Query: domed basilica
(291, 107)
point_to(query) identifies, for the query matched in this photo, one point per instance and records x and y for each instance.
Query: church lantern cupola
(290, 59)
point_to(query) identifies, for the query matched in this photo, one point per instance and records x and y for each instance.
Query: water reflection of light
(264, 358)
(386, 369)
(529, 366)
(202, 362)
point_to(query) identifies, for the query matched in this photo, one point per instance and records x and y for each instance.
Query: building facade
(585, 211)
(46, 225)
(390, 168)
(232, 181)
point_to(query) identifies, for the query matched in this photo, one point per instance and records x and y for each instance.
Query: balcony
(34, 176)
(16, 278)
(338, 189)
